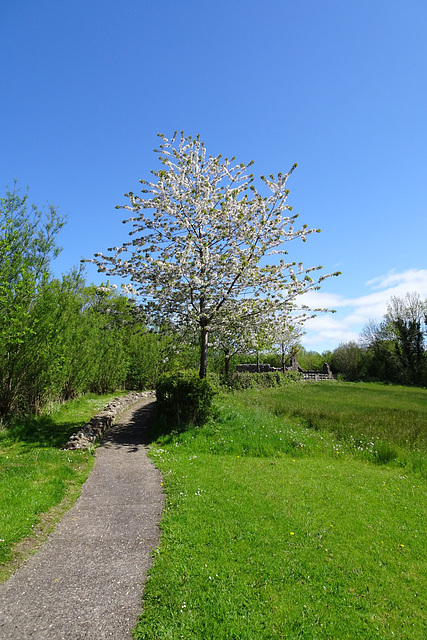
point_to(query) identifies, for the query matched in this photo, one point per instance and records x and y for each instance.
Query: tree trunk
(257, 361)
(203, 352)
(227, 363)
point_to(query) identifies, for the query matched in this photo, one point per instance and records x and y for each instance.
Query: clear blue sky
(339, 87)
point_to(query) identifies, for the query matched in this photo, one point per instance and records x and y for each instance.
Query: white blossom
(200, 236)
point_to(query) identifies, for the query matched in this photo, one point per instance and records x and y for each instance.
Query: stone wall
(252, 368)
(101, 422)
(324, 374)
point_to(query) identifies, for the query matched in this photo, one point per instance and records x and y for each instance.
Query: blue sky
(338, 87)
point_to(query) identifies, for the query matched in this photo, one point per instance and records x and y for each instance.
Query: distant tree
(406, 320)
(201, 234)
(286, 335)
(309, 359)
(349, 359)
(377, 346)
(231, 339)
(397, 345)
(241, 328)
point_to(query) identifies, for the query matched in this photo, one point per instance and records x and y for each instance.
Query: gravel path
(86, 580)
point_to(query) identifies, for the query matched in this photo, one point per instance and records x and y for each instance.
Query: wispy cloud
(327, 331)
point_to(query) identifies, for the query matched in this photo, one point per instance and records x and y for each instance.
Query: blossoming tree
(286, 333)
(201, 234)
(240, 328)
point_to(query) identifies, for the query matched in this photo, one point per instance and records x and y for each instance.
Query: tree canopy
(202, 234)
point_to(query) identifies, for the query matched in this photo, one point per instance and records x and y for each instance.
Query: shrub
(183, 398)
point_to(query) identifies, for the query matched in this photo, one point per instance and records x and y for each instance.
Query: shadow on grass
(39, 431)
(45, 431)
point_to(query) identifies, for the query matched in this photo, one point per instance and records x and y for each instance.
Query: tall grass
(382, 424)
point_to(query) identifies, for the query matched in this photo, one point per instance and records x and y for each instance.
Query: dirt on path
(86, 580)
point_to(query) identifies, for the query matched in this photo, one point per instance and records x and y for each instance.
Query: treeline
(393, 350)
(60, 337)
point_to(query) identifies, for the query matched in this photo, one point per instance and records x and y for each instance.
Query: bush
(183, 398)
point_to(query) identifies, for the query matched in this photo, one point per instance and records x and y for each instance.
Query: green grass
(378, 423)
(275, 527)
(39, 479)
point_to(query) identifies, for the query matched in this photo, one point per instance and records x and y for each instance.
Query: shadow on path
(131, 430)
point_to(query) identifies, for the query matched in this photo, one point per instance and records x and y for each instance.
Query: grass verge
(268, 532)
(39, 480)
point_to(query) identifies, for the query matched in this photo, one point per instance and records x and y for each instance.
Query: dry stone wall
(252, 368)
(324, 374)
(101, 422)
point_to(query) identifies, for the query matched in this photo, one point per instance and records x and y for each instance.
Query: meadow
(39, 480)
(298, 513)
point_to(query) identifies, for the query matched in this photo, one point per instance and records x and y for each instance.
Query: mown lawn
(298, 513)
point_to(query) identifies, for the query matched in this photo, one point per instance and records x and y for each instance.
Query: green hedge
(183, 398)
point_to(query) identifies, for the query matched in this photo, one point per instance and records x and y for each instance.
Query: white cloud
(327, 331)
(416, 279)
(323, 299)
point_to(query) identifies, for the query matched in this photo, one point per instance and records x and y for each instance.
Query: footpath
(86, 580)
